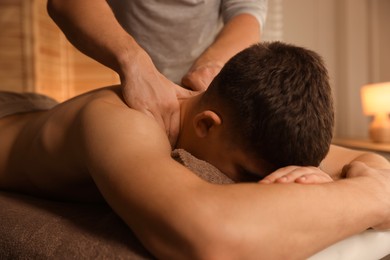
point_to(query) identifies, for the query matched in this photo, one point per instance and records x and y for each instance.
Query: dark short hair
(278, 103)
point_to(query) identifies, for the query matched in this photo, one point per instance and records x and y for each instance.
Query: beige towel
(13, 103)
(201, 168)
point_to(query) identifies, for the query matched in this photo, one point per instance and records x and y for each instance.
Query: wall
(352, 37)
(13, 68)
(380, 10)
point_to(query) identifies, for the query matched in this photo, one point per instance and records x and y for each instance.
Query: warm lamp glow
(376, 102)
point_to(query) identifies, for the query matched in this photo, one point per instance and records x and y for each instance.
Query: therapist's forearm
(240, 32)
(91, 26)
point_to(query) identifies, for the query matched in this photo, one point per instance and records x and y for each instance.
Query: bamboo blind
(35, 56)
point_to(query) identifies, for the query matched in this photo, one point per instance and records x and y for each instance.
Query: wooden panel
(51, 59)
(63, 71)
(36, 56)
(89, 74)
(12, 71)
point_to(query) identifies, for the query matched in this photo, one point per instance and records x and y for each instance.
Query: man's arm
(91, 26)
(240, 32)
(338, 157)
(177, 215)
(333, 167)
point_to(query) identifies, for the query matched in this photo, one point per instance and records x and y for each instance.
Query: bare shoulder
(120, 131)
(104, 114)
(107, 116)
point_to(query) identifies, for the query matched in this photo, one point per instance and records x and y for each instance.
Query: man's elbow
(211, 243)
(227, 242)
(214, 235)
(203, 233)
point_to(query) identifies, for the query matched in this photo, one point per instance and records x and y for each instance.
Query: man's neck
(187, 110)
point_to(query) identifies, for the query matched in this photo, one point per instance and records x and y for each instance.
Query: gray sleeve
(257, 8)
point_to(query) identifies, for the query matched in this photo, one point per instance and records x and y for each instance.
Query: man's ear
(205, 121)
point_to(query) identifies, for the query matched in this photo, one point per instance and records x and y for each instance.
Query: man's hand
(379, 186)
(200, 76)
(148, 91)
(297, 174)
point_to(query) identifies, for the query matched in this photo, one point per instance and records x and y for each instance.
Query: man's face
(237, 164)
(219, 147)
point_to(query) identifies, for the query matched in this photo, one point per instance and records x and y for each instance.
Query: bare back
(48, 143)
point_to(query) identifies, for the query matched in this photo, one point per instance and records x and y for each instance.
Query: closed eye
(247, 176)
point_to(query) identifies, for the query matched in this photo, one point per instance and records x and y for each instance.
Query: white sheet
(369, 245)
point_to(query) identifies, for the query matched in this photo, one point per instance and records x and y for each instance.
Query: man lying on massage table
(270, 107)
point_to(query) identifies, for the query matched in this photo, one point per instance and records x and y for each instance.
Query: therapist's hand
(201, 74)
(147, 90)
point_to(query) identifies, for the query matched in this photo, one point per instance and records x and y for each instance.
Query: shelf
(364, 144)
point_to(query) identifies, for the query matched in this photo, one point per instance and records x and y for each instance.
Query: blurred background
(352, 36)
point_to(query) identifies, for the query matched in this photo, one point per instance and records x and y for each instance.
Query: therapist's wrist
(130, 59)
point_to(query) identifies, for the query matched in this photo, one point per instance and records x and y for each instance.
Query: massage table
(36, 228)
